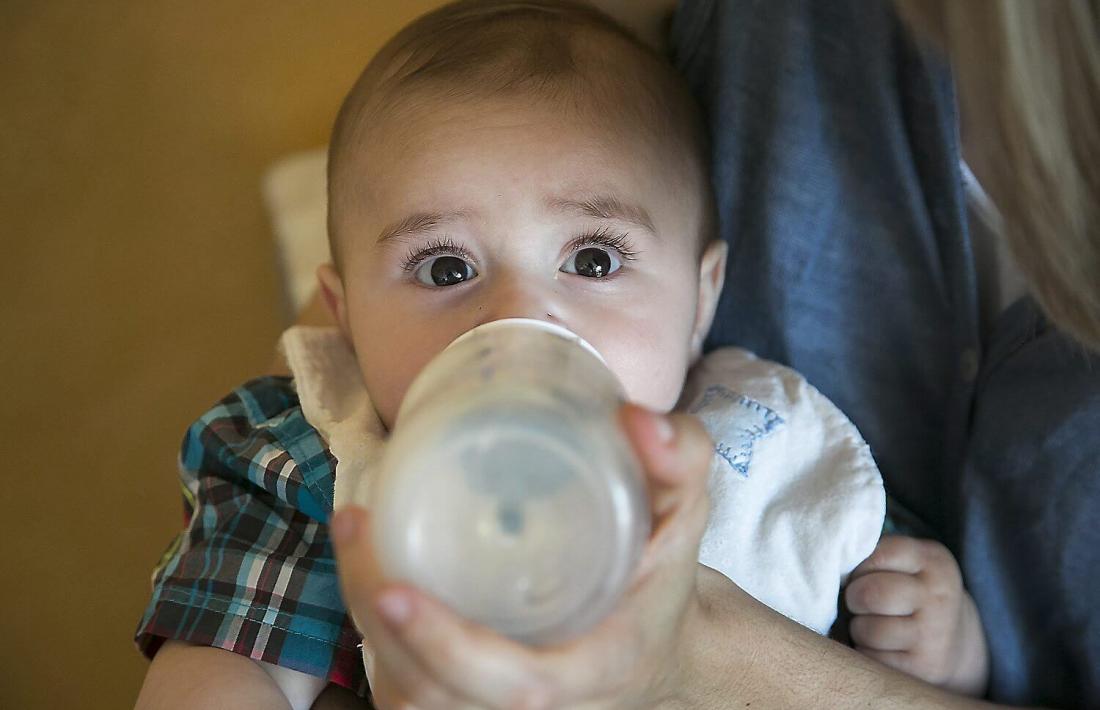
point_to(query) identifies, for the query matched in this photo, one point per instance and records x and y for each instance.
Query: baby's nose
(513, 299)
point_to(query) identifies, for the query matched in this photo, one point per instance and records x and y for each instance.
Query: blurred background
(139, 285)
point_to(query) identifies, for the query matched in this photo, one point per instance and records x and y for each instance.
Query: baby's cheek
(390, 365)
(652, 376)
(386, 384)
(386, 402)
(662, 391)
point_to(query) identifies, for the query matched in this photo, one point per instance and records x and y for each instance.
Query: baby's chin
(387, 420)
(385, 410)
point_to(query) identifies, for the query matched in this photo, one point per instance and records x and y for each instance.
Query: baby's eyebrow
(418, 222)
(605, 207)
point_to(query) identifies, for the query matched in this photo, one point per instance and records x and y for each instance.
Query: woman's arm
(739, 652)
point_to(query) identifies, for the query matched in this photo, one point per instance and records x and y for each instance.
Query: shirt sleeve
(253, 571)
(1031, 538)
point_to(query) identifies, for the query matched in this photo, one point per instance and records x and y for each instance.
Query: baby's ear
(332, 293)
(712, 276)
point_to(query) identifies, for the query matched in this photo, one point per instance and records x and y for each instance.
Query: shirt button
(969, 364)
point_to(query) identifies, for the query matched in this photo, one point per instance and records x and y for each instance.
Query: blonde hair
(1028, 74)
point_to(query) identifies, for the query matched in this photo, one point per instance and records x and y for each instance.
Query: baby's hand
(910, 611)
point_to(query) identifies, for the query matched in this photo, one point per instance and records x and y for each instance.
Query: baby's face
(461, 215)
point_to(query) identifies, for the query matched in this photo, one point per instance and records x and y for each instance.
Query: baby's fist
(910, 611)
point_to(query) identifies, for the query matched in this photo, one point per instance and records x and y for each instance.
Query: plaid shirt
(253, 571)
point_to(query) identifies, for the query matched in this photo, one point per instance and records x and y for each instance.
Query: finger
(488, 669)
(499, 673)
(405, 677)
(605, 663)
(885, 633)
(675, 454)
(386, 696)
(405, 685)
(360, 576)
(884, 593)
(663, 440)
(894, 553)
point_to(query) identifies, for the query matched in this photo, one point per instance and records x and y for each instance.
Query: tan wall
(138, 284)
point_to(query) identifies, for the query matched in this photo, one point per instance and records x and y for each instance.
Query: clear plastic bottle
(508, 489)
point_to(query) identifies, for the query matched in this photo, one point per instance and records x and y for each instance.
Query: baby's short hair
(479, 49)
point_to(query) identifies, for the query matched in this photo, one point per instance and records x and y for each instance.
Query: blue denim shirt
(836, 168)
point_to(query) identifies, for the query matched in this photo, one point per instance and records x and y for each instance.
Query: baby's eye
(444, 270)
(593, 263)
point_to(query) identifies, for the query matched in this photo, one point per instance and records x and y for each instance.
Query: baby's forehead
(598, 160)
(438, 162)
(599, 120)
(610, 82)
(435, 112)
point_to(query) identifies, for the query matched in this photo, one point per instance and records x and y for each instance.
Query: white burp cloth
(797, 501)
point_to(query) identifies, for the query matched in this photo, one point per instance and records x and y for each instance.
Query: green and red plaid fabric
(253, 572)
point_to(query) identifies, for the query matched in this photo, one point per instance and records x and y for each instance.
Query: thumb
(675, 453)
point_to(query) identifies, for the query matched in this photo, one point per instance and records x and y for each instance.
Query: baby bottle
(508, 489)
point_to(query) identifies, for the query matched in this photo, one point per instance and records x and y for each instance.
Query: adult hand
(428, 657)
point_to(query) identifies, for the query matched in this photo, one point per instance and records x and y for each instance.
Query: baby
(496, 160)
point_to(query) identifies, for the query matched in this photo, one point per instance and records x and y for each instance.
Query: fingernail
(343, 527)
(394, 607)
